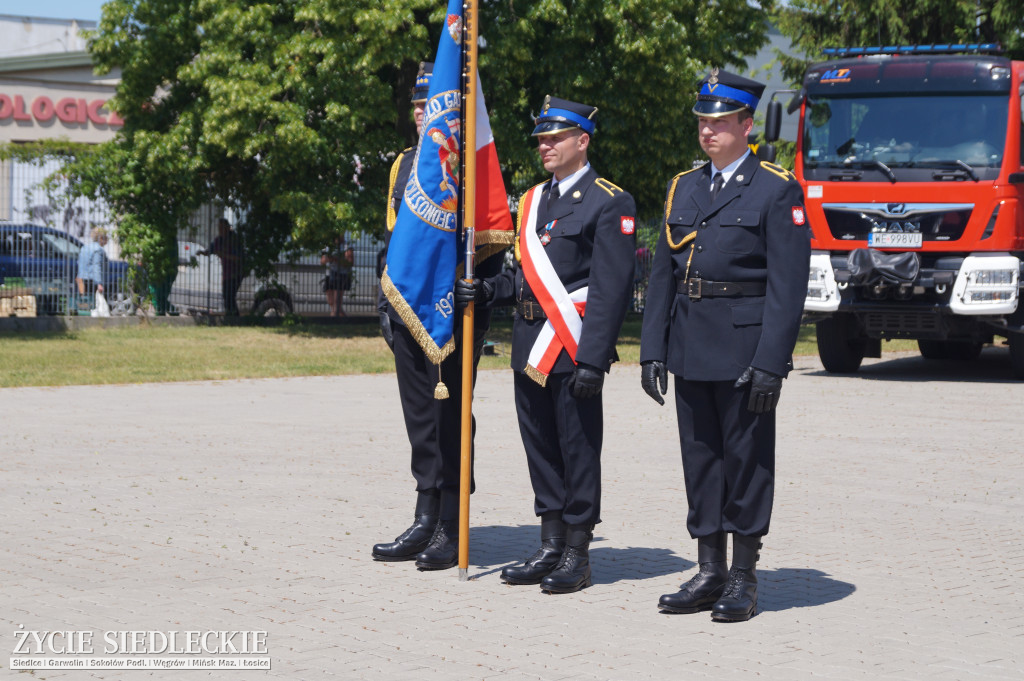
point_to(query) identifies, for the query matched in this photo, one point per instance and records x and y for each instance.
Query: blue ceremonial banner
(419, 277)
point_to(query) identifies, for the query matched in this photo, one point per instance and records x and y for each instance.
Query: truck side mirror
(766, 152)
(773, 121)
(796, 101)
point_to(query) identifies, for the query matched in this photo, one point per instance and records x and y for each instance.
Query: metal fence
(295, 287)
(41, 240)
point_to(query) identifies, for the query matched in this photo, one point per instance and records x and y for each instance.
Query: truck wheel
(840, 345)
(932, 349)
(1016, 341)
(272, 307)
(963, 351)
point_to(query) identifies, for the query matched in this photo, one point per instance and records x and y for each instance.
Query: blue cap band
(585, 123)
(722, 90)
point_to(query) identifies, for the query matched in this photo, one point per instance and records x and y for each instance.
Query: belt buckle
(527, 306)
(694, 288)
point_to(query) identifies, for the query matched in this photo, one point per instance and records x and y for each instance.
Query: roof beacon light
(951, 48)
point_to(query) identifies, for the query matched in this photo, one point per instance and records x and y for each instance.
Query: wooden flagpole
(470, 34)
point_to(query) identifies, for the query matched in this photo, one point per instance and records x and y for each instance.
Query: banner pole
(470, 33)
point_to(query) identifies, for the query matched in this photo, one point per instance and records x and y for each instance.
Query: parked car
(296, 286)
(44, 261)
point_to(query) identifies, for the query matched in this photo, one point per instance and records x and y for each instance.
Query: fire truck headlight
(822, 293)
(986, 284)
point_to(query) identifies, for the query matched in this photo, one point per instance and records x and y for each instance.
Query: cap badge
(713, 79)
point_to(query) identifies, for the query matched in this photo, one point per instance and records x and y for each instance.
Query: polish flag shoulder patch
(798, 216)
(628, 225)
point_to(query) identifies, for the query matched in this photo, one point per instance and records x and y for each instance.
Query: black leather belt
(704, 288)
(530, 309)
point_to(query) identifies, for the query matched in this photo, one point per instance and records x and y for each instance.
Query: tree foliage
(291, 111)
(816, 24)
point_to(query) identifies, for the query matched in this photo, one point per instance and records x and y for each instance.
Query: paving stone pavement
(895, 550)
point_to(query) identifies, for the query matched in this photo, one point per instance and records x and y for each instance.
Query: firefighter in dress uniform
(574, 244)
(722, 314)
(433, 425)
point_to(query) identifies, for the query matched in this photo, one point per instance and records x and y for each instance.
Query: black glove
(586, 381)
(652, 372)
(478, 290)
(765, 389)
(385, 329)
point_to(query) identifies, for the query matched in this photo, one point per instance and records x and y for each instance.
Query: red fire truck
(912, 163)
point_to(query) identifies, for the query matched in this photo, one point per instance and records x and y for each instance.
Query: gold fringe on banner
(435, 354)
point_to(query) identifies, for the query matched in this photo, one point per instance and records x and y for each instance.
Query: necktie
(553, 195)
(717, 185)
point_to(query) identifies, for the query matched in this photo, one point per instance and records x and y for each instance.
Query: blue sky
(53, 9)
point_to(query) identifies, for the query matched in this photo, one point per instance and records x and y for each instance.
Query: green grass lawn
(149, 353)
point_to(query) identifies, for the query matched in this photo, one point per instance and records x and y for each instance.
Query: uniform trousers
(433, 426)
(728, 459)
(562, 437)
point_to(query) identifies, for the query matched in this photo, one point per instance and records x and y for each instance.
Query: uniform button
(700, 249)
(704, 224)
(738, 221)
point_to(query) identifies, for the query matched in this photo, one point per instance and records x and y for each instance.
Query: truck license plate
(895, 239)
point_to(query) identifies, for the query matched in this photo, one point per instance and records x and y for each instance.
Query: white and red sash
(564, 311)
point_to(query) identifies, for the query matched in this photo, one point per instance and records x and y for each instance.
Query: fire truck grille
(935, 222)
(901, 323)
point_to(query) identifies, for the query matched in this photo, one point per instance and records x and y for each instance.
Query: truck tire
(962, 351)
(840, 345)
(1016, 342)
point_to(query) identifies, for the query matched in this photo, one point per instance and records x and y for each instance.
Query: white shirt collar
(729, 170)
(567, 182)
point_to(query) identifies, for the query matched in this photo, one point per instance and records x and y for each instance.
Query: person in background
(92, 264)
(228, 247)
(339, 259)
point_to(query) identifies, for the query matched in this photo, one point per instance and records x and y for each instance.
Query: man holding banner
(422, 265)
(575, 244)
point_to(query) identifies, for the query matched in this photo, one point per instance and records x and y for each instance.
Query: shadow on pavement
(788, 588)
(993, 366)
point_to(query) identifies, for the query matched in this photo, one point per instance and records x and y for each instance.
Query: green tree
(291, 111)
(637, 61)
(816, 24)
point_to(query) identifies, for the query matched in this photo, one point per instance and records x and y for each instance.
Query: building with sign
(48, 91)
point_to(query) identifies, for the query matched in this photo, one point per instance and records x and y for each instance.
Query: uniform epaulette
(779, 171)
(392, 215)
(608, 186)
(687, 172)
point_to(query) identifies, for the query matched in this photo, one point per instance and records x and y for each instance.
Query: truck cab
(911, 163)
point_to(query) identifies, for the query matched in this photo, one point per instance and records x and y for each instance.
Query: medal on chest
(545, 238)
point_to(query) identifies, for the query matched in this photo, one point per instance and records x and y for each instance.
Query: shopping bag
(101, 309)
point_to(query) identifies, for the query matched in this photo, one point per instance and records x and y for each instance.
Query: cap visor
(716, 109)
(552, 127)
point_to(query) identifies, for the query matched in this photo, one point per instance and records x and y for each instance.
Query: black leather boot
(705, 588)
(739, 599)
(573, 571)
(546, 558)
(411, 542)
(443, 550)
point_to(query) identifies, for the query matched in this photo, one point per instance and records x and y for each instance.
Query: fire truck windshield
(952, 133)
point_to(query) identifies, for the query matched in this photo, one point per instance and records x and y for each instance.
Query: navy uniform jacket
(754, 231)
(401, 169)
(589, 238)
